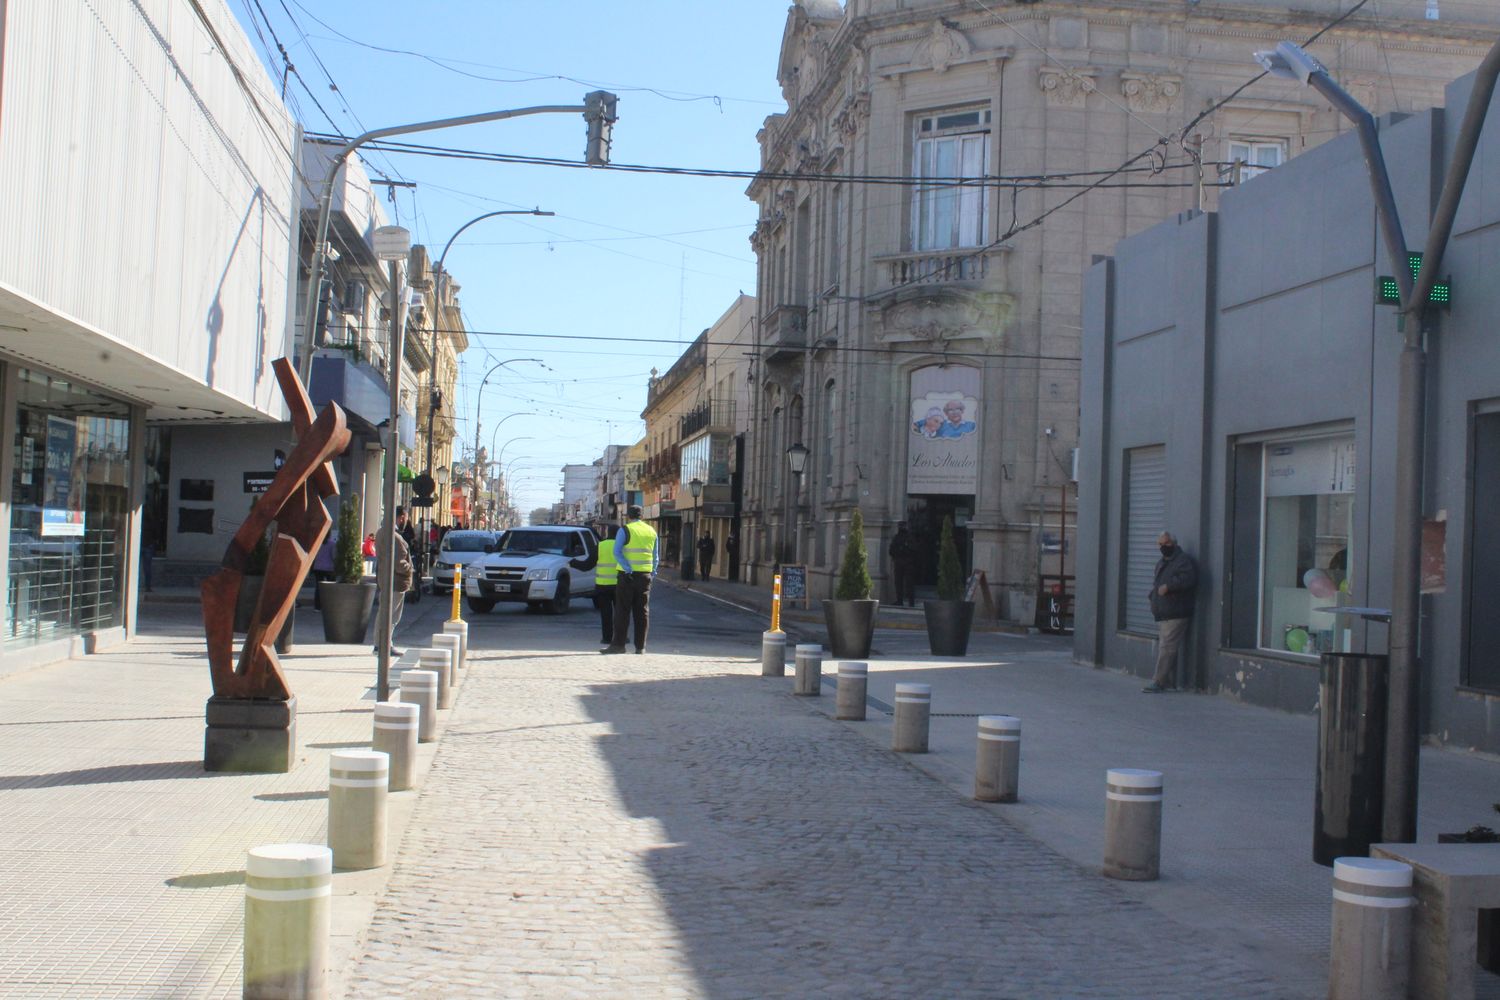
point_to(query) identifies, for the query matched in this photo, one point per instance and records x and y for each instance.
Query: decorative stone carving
(934, 316)
(945, 46)
(852, 117)
(1067, 87)
(1150, 92)
(786, 199)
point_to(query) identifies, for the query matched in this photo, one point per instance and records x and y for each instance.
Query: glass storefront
(69, 506)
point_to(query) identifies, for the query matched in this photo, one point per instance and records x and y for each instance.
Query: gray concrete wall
(1203, 332)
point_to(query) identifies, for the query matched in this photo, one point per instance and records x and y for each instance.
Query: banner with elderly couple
(942, 430)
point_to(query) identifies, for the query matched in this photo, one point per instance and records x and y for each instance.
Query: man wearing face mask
(1172, 594)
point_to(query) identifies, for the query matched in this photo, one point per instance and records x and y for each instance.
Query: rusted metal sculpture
(294, 502)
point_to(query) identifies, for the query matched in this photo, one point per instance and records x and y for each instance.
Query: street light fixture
(598, 111)
(1289, 61)
(696, 488)
(479, 400)
(796, 457)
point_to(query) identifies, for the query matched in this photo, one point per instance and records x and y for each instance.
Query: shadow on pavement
(109, 775)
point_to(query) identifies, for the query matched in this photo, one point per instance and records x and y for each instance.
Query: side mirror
(488, 549)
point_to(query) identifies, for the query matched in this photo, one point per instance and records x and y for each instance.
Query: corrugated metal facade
(146, 169)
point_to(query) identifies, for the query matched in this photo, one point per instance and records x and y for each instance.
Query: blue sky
(627, 255)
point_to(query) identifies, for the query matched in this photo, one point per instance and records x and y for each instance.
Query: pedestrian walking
(706, 549)
(391, 546)
(903, 554)
(606, 576)
(732, 553)
(637, 556)
(1173, 591)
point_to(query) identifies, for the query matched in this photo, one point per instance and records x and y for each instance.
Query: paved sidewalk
(122, 860)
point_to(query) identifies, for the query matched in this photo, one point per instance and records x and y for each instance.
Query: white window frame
(950, 143)
(1248, 153)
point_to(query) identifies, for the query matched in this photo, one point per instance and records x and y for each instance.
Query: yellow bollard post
(458, 589)
(776, 603)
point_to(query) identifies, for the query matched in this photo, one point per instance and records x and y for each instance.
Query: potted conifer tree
(850, 616)
(347, 599)
(949, 618)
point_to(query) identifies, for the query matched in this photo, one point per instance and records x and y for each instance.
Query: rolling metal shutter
(1145, 519)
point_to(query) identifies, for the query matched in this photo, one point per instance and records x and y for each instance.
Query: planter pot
(948, 625)
(244, 606)
(851, 628)
(346, 610)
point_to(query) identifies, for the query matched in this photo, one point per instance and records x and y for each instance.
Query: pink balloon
(1320, 583)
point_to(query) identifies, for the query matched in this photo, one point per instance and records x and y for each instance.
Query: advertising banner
(62, 495)
(942, 430)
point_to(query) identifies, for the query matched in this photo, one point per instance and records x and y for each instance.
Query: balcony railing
(714, 415)
(937, 267)
(784, 330)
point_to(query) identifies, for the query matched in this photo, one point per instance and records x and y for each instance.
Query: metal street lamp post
(392, 244)
(1289, 61)
(796, 458)
(479, 400)
(598, 111)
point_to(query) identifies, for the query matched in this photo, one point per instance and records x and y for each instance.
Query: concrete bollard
(357, 784)
(460, 629)
(454, 645)
(420, 688)
(773, 654)
(913, 711)
(1370, 947)
(440, 662)
(997, 771)
(1132, 824)
(288, 889)
(853, 686)
(396, 737)
(809, 664)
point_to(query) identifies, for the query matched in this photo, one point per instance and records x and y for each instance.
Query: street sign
(422, 502)
(258, 482)
(423, 486)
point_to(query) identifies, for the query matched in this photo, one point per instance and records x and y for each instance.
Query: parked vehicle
(544, 565)
(459, 548)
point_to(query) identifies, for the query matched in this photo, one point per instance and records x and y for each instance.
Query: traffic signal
(599, 112)
(1388, 292)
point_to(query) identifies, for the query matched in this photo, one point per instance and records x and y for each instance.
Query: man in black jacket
(1172, 595)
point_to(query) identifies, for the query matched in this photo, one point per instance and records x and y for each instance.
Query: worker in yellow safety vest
(606, 574)
(636, 555)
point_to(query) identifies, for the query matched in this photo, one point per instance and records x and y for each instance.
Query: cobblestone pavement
(673, 826)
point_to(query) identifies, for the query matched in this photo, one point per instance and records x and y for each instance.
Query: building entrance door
(924, 518)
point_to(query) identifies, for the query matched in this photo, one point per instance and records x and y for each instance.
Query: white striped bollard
(455, 647)
(460, 629)
(773, 654)
(358, 781)
(809, 665)
(420, 688)
(1132, 824)
(396, 737)
(913, 710)
(1370, 946)
(287, 918)
(997, 771)
(440, 662)
(853, 686)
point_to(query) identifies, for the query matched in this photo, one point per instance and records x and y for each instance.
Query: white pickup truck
(544, 565)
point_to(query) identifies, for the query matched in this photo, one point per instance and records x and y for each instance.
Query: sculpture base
(249, 734)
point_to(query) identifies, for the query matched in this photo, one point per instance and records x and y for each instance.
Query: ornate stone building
(919, 334)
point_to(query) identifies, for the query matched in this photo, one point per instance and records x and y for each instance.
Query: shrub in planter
(949, 618)
(347, 600)
(850, 616)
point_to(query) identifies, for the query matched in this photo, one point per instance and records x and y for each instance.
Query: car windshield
(552, 542)
(469, 541)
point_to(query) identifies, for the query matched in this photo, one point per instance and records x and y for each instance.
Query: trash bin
(1352, 695)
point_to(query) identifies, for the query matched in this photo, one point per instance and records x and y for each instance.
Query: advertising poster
(942, 428)
(62, 495)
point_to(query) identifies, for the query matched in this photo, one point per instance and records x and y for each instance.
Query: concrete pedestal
(1132, 824)
(773, 654)
(246, 734)
(1452, 883)
(460, 629)
(913, 714)
(809, 667)
(396, 737)
(997, 770)
(454, 644)
(440, 662)
(849, 704)
(1370, 946)
(420, 688)
(357, 784)
(287, 896)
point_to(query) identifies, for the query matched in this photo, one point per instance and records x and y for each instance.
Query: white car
(544, 565)
(459, 548)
